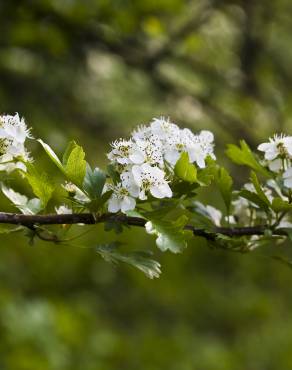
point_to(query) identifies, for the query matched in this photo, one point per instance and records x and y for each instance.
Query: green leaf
(113, 174)
(41, 184)
(52, 155)
(185, 170)
(254, 198)
(170, 235)
(280, 205)
(96, 204)
(259, 189)
(75, 167)
(244, 156)
(138, 259)
(71, 145)
(94, 181)
(184, 188)
(206, 175)
(225, 183)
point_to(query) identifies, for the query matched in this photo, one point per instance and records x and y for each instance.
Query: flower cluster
(145, 161)
(13, 133)
(278, 154)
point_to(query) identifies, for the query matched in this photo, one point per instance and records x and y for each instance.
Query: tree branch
(90, 219)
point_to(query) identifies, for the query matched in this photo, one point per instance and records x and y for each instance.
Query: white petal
(134, 190)
(157, 192)
(123, 160)
(207, 136)
(271, 154)
(172, 156)
(275, 165)
(264, 147)
(161, 191)
(137, 157)
(114, 204)
(137, 174)
(127, 204)
(201, 162)
(142, 195)
(158, 173)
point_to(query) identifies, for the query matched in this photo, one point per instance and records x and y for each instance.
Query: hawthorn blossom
(163, 128)
(121, 199)
(278, 146)
(125, 152)
(145, 159)
(151, 150)
(13, 133)
(151, 179)
(198, 147)
(142, 133)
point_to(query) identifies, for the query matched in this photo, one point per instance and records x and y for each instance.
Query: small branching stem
(33, 221)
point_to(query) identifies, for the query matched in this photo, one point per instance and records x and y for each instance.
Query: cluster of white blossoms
(145, 160)
(278, 154)
(13, 133)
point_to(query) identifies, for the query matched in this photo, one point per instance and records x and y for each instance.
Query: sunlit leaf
(52, 155)
(75, 167)
(184, 169)
(40, 183)
(244, 156)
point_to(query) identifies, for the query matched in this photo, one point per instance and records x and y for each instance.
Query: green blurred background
(92, 70)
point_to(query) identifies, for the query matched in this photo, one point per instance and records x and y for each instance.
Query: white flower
(198, 147)
(141, 160)
(142, 133)
(13, 133)
(206, 136)
(63, 210)
(14, 128)
(125, 152)
(201, 147)
(287, 176)
(279, 145)
(163, 128)
(151, 179)
(121, 199)
(151, 149)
